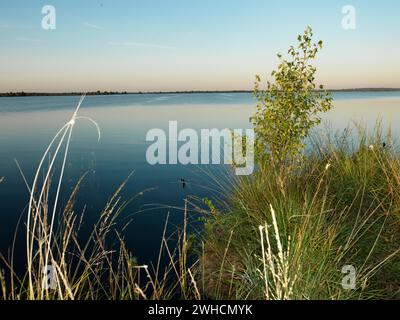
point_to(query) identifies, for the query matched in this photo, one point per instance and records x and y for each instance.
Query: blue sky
(190, 45)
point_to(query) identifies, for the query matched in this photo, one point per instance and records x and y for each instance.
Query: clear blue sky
(190, 44)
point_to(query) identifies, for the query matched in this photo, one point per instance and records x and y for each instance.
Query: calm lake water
(27, 125)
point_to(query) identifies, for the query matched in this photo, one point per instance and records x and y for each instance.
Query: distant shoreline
(103, 93)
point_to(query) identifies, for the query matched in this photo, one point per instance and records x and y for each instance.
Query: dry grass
(95, 267)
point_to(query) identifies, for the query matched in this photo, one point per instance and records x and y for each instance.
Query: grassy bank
(288, 233)
(315, 222)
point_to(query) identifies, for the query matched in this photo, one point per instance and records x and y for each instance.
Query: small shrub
(289, 108)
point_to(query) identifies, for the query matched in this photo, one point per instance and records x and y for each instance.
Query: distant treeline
(32, 94)
(103, 93)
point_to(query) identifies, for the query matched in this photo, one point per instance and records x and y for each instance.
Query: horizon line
(105, 92)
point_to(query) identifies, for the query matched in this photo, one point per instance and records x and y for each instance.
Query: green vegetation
(340, 207)
(290, 228)
(290, 106)
(286, 232)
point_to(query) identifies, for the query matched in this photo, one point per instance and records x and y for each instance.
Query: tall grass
(287, 233)
(97, 266)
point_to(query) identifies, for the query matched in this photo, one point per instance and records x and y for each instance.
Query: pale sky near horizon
(161, 45)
